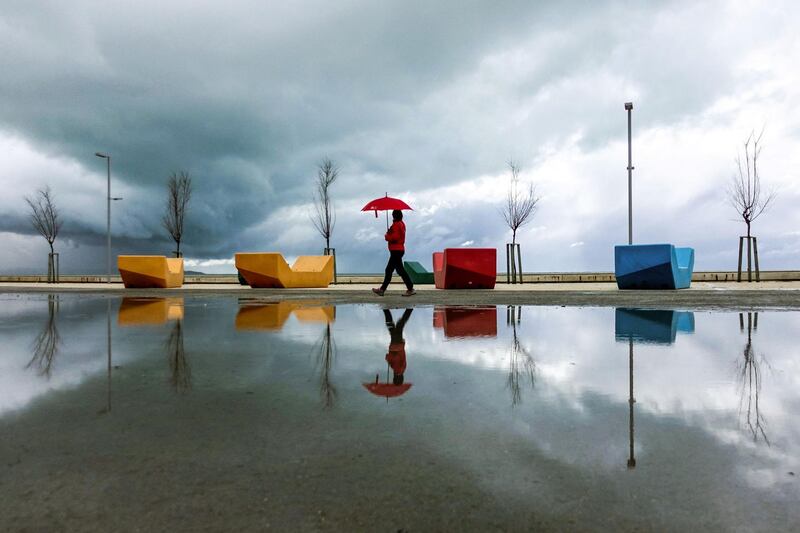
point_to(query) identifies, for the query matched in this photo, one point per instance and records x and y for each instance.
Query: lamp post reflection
(107, 408)
(46, 344)
(645, 326)
(631, 401)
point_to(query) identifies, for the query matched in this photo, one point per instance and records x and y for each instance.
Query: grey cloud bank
(417, 99)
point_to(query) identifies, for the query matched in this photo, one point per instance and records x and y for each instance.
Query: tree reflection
(326, 352)
(180, 370)
(522, 367)
(46, 344)
(749, 370)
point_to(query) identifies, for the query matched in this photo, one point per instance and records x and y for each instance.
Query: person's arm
(391, 233)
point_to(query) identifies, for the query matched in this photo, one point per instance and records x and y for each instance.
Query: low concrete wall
(541, 277)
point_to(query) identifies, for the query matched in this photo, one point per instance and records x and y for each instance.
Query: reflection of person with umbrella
(395, 357)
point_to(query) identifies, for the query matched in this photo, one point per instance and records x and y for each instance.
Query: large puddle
(150, 413)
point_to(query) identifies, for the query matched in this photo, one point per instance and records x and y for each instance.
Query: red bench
(465, 268)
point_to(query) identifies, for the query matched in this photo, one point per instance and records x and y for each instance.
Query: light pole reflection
(631, 401)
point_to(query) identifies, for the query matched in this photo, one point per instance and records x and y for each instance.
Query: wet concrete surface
(224, 413)
(707, 295)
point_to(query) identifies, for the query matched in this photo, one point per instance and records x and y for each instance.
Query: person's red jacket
(397, 357)
(396, 236)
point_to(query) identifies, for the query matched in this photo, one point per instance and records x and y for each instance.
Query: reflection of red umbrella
(386, 203)
(387, 390)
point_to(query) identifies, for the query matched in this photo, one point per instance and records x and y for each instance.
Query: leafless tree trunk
(44, 215)
(179, 192)
(745, 192)
(324, 217)
(521, 203)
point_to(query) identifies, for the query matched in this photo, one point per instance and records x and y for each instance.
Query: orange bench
(270, 270)
(150, 271)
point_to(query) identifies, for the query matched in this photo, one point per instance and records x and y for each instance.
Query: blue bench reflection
(651, 326)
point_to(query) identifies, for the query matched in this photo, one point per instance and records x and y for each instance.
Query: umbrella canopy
(385, 203)
(387, 390)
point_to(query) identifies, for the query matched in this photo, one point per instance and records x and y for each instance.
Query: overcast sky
(424, 100)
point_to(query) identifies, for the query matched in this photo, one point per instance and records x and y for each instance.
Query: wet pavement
(226, 412)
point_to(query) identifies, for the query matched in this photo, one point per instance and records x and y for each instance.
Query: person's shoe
(410, 292)
(379, 292)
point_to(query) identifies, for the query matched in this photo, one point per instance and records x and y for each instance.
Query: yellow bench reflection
(149, 311)
(272, 316)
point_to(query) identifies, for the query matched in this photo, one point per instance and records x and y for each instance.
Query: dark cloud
(405, 96)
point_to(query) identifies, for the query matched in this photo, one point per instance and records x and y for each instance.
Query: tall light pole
(629, 108)
(108, 212)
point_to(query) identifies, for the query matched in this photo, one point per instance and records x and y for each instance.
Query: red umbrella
(386, 203)
(387, 390)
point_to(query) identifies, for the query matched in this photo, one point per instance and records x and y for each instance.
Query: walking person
(396, 237)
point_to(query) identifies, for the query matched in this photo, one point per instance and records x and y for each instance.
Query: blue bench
(653, 266)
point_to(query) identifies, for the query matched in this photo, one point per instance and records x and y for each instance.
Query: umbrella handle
(376, 213)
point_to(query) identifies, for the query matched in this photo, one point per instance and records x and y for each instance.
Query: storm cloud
(423, 100)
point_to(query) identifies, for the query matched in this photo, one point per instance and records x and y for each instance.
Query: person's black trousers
(396, 263)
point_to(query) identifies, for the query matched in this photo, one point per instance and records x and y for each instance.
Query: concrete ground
(767, 294)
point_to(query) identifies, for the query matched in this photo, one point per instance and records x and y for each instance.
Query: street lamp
(108, 212)
(629, 108)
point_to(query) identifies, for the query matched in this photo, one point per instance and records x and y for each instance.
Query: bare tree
(44, 217)
(521, 203)
(179, 192)
(747, 197)
(325, 217)
(745, 192)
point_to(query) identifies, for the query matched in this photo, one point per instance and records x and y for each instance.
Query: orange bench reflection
(272, 316)
(149, 311)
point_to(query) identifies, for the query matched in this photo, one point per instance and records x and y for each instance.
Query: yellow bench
(147, 271)
(270, 270)
(272, 316)
(149, 311)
